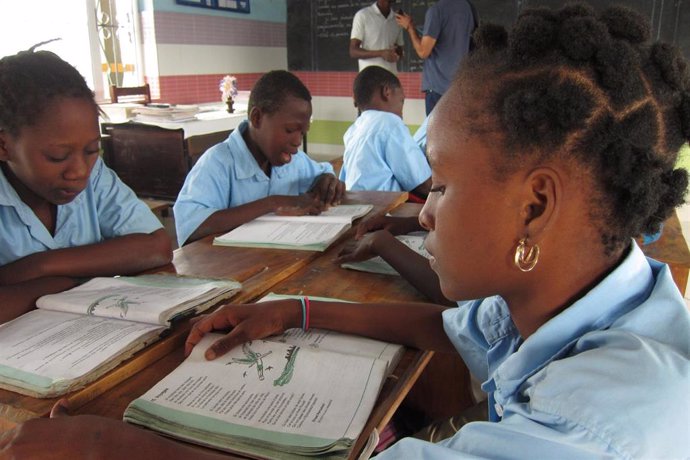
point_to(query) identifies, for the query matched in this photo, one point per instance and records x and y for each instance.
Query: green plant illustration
(289, 368)
(117, 301)
(251, 358)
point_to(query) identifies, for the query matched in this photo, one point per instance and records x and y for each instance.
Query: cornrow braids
(29, 81)
(590, 88)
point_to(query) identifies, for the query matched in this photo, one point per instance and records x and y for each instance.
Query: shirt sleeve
(119, 210)
(405, 159)
(206, 190)
(537, 436)
(357, 27)
(432, 23)
(311, 170)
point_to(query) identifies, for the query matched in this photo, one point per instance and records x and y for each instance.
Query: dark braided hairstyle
(271, 89)
(29, 81)
(591, 89)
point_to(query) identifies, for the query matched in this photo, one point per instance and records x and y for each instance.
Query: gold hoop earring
(526, 259)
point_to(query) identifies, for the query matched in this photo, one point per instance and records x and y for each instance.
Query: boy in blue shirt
(63, 214)
(259, 169)
(380, 153)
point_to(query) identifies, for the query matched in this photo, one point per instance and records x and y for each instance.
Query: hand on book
(244, 323)
(366, 247)
(394, 225)
(301, 205)
(328, 189)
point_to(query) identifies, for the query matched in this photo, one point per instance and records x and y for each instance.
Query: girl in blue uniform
(550, 152)
(63, 214)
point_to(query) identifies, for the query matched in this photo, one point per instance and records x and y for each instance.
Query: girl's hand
(244, 323)
(328, 189)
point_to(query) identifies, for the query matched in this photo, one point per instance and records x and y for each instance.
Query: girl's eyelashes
(438, 189)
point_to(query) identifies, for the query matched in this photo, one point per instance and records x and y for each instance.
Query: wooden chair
(151, 160)
(140, 94)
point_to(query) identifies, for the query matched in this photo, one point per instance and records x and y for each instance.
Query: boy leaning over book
(63, 213)
(259, 168)
(380, 153)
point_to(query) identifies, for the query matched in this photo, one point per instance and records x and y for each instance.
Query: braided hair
(29, 81)
(591, 88)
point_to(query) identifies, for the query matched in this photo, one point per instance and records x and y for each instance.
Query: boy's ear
(255, 117)
(385, 92)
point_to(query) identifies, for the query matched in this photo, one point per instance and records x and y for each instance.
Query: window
(103, 46)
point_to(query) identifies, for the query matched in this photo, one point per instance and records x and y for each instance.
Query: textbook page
(45, 353)
(313, 236)
(312, 233)
(414, 241)
(152, 299)
(336, 341)
(264, 393)
(340, 213)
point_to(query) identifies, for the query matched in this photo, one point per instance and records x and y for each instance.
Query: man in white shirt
(376, 39)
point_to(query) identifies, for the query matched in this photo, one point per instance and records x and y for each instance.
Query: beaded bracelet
(305, 312)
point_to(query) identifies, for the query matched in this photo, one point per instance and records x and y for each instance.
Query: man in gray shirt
(448, 27)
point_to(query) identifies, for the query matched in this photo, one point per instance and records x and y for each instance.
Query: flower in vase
(228, 87)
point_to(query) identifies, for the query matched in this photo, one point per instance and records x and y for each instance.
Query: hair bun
(492, 37)
(626, 24)
(580, 37)
(532, 37)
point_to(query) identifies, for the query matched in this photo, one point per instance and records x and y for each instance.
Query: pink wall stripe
(199, 29)
(190, 89)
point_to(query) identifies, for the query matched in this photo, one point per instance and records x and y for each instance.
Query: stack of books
(166, 112)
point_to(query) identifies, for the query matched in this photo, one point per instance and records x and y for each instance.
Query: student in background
(581, 342)
(259, 169)
(63, 213)
(380, 153)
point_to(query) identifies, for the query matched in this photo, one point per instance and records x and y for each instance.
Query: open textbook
(74, 337)
(414, 241)
(289, 396)
(312, 233)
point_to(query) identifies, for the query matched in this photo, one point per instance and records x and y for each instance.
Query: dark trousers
(431, 99)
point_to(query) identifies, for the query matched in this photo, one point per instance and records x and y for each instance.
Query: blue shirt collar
(245, 165)
(603, 305)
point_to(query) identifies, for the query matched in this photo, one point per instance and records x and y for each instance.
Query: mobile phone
(400, 11)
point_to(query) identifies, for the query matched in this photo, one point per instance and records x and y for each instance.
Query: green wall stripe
(331, 132)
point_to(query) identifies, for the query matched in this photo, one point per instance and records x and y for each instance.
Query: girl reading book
(63, 213)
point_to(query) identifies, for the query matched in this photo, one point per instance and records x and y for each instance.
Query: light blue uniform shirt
(106, 209)
(607, 378)
(420, 135)
(227, 175)
(380, 154)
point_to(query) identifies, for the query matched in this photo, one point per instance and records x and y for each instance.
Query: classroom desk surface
(256, 269)
(321, 277)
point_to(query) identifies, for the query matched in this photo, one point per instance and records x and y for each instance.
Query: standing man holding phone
(448, 27)
(376, 38)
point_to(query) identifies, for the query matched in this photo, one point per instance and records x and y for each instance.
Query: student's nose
(78, 168)
(426, 215)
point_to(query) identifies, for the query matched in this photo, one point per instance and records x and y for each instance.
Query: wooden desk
(671, 249)
(257, 269)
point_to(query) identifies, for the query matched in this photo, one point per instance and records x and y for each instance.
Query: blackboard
(318, 31)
